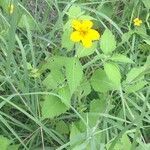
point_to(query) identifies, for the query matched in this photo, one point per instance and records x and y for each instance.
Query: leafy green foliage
(4, 143)
(113, 73)
(58, 94)
(74, 74)
(49, 107)
(108, 42)
(100, 81)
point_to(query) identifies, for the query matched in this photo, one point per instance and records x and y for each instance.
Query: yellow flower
(84, 33)
(11, 8)
(137, 22)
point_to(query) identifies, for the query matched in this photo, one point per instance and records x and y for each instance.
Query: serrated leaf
(100, 81)
(74, 73)
(82, 51)
(134, 73)
(113, 73)
(121, 58)
(4, 143)
(107, 42)
(52, 107)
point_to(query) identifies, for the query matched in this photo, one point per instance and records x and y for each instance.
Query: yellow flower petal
(86, 43)
(11, 8)
(76, 24)
(87, 24)
(93, 34)
(137, 22)
(75, 36)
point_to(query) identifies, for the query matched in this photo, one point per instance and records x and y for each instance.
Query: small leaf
(52, 107)
(74, 73)
(100, 81)
(108, 42)
(74, 11)
(121, 58)
(107, 9)
(135, 86)
(146, 3)
(86, 17)
(134, 74)
(113, 74)
(4, 143)
(66, 42)
(82, 51)
(62, 127)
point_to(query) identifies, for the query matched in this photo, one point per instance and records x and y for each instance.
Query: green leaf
(84, 89)
(4, 143)
(53, 79)
(66, 95)
(126, 36)
(146, 3)
(74, 11)
(52, 107)
(100, 81)
(135, 86)
(29, 19)
(82, 51)
(97, 105)
(66, 42)
(122, 144)
(121, 58)
(74, 73)
(106, 8)
(113, 73)
(62, 127)
(107, 42)
(134, 73)
(86, 17)
(13, 147)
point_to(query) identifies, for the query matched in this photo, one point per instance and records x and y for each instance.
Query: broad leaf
(74, 11)
(107, 42)
(113, 73)
(66, 42)
(121, 58)
(74, 73)
(52, 107)
(66, 95)
(82, 51)
(100, 81)
(135, 86)
(134, 74)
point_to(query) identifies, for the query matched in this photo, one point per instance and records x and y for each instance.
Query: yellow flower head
(84, 33)
(11, 8)
(137, 22)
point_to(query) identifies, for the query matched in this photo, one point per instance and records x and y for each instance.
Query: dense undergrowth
(74, 74)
